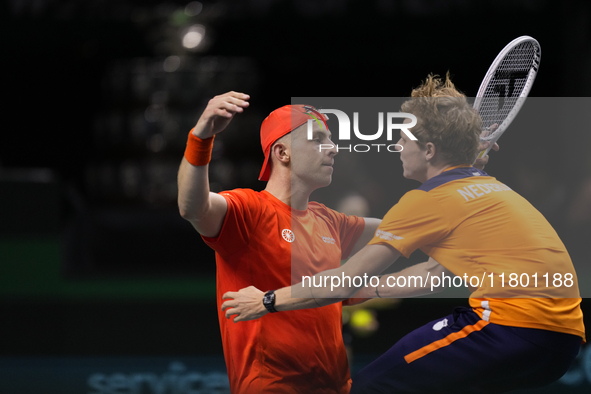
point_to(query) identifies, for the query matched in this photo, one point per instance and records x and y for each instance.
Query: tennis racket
(506, 86)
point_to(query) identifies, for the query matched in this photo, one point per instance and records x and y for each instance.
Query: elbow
(200, 222)
(191, 212)
(185, 213)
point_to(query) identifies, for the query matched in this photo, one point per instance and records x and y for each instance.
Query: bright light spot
(171, 64)
(194, 37)
(193, 8)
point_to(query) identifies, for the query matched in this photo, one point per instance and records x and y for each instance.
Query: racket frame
(533, 71)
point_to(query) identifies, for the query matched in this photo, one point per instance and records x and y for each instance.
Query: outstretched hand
(246, 304)
(219, 112)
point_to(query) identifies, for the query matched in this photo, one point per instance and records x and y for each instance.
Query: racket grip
(485, 152)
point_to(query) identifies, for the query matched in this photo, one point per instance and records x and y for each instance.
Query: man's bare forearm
(193, 184)
(415, 282)
(247, 303)
(205, 210)
(370, 261)
(299, 296)
(196, 202)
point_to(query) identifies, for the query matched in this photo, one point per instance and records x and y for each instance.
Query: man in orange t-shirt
(256, 235)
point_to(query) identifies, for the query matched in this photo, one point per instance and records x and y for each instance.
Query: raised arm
(206, 210)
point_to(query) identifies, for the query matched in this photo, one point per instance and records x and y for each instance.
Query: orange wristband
(198, 151)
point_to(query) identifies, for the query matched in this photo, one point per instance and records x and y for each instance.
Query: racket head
(505, 87)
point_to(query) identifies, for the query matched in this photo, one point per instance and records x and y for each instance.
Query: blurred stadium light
(194, 37)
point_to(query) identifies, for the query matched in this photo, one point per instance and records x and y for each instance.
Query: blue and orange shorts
(461, 353)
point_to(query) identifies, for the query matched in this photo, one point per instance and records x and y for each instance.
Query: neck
(282, 189)
(434, 170)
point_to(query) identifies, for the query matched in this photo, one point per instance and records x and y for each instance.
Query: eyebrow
(322, 133)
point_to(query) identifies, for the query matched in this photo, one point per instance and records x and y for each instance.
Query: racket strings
(506, 86)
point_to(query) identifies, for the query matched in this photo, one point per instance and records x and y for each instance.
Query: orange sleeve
(350, 229)
(244, 210)
(417, 220)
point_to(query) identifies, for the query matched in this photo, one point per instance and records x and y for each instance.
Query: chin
(324, 182)
(318, 183)
(414, 178)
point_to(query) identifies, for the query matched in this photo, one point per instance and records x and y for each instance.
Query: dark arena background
(103, 287)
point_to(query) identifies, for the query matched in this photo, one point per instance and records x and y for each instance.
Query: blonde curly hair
(446, 119)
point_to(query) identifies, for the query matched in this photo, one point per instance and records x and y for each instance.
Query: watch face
(269, 301)
(269, 298)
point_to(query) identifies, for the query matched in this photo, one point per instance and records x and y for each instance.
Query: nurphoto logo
(344, 132)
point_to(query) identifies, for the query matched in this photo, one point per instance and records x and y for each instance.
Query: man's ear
(430, 150)
(280, 152)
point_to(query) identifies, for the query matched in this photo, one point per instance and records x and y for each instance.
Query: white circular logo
(288, 235)
(440, 324)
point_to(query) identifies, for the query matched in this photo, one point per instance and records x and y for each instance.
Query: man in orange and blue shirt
(512, 337)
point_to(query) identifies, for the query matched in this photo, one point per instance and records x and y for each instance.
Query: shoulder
(413, 204)
(246, 195)
(415, 197)
(322, 212)
(244, 199)
(318, 209)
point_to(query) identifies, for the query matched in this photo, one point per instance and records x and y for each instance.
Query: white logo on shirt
(386, 235)
(328, 240)
(288, 235)
(440, 324)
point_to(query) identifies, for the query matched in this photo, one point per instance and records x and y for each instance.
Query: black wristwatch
(269, 301)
